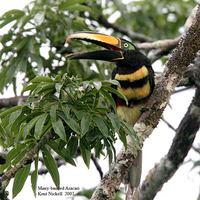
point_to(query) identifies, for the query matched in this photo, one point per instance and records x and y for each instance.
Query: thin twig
(196, 149)
(98, 167)
(182, 90)
(168, 124)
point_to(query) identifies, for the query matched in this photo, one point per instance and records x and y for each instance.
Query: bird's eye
(125, 45)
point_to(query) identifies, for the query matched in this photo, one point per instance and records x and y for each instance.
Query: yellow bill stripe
(139, 74)
(96, 37)
(136, 93)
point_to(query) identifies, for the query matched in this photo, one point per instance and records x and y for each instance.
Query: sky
(183, 185)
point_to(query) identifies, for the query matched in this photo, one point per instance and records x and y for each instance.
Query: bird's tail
(134, 177)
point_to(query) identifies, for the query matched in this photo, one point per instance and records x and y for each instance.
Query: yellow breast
(139, 74)
(136, 93)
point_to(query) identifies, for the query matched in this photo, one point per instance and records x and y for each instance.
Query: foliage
(77, 111)
(156, 19)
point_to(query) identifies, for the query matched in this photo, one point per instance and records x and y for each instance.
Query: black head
(116, 50)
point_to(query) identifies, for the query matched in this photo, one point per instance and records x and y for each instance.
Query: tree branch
(181, 57)
(168, 124)
(98, 167)
(12, 101)
(132, 35)
(160, 44)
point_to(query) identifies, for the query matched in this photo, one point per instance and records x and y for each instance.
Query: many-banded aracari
(134, 73)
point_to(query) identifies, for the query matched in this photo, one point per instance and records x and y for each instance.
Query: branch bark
(12, 101)
(160, 44)
(181, 57)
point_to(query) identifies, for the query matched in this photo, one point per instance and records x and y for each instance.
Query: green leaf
(122, 137)
(34, 176)
(86, 193)
(11, 155)
(22, 152)
(133, 135)
(109, 151)
(20, 179)
(29, 126)
(2, 132)
(85, 153)
(101, 125)
(53, 113)
(70, 121)
(40, 79)
(10, 16)
(51, 165)
(114, 119)
(44, 87)
(59, 128)
(10, 110)
(72, 146)
(39, 125)
(98, 149)
(111, 82)
(18, 123)
(78, 7)
(68, 3)
(57, 124)
(30, 87)
(22, 64)
(14, 116)
(61, 152)
(21, 44)
(14, 152)
(109, 98)
(114, 91)
(85, 124)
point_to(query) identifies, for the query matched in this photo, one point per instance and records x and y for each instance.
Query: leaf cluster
(34, 45)
(77, 112)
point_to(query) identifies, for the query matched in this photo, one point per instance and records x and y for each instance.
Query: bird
(135, 75)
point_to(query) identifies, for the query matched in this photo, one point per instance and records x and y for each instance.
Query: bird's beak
(112, 45)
